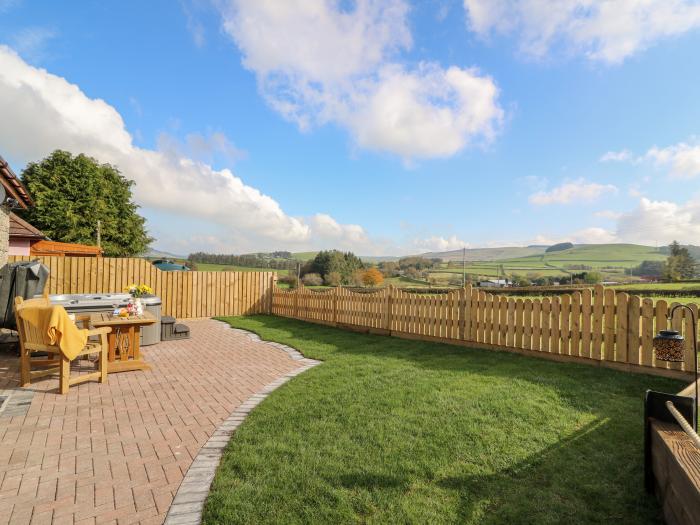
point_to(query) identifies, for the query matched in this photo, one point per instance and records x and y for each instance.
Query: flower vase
(138, 305)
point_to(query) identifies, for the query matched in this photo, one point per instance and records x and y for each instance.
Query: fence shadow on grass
(586, 468)
(575, 468)
(323, 342)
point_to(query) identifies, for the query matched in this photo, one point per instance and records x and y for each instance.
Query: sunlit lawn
(394, 431)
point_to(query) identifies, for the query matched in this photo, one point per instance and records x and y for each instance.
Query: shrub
(559, 247)
(312, 279)
(326, 262)
(519, 280)
(356, 277)
(592, 277)
(456, 280)
(333, 278)
(372, 277)
(291, 280)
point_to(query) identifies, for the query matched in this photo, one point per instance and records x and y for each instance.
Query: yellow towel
(57, 328)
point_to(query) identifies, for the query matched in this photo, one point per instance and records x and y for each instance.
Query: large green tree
(332, 261)
(680, 264)
(73, 192)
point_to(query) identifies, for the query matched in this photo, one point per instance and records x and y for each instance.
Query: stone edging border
(188, 504)
(17, 401)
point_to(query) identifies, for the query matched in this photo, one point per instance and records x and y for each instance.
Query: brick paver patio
(116, 453)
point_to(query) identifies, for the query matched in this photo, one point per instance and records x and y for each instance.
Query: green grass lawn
(395, 431)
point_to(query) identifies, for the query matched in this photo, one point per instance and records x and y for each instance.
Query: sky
(384, 127)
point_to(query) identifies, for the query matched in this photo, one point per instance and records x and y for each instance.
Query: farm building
(494, 283)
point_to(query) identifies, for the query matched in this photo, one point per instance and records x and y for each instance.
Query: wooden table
(124, 340)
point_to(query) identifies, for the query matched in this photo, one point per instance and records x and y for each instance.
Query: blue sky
(382, 127)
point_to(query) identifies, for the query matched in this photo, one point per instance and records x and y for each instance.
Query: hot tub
(82, 303)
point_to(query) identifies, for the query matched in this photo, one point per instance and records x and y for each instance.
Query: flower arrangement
(138, 290)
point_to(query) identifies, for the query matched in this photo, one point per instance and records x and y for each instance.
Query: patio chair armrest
(82, 317)
(99, 331)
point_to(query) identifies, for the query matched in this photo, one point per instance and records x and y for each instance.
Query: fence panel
(184, 294)
(602, 326)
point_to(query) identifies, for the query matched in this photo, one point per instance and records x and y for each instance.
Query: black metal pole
(695, 355)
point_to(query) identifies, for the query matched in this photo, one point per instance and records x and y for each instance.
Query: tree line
(679, 265)
(251, 260)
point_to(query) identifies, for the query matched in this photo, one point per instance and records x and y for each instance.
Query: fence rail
(599, 325)
(184, 294)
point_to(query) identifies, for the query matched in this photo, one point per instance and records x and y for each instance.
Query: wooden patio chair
(32, 341)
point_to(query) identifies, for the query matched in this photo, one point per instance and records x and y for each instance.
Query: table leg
(136, 352)
(112, 345)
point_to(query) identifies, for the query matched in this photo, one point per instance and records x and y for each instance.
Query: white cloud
(603, 30)
(326, 227)
(660, 222)
(439, 244)
(652, 223)
(47, 112)
(616, 156)
(430, 112)
(608, 214)
(634, 191)
(190, 9)
(574, 191)
(351, 78)
(590, 235)
(200, 147)
(683, 160)
(32, 41)
(593, 235)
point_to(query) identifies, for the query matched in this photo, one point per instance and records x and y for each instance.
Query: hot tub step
(170, 330)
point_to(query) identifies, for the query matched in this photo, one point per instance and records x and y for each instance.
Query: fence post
(335, 305)
(273, 287)
(465, 307)
(389, 296)
(296, 302)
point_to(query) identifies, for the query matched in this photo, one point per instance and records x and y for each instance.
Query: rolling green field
(303, 256)
(659, 286)
(605, 256)
(612, 260)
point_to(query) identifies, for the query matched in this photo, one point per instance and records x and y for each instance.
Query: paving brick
(118, 452)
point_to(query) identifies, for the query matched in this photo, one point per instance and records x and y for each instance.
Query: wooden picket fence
(596, 326)
(184, 294)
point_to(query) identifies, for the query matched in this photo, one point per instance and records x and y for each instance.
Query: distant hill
(379, 258)
(158, 254)
(304, 256)
(606, 255)
(594, 255)
(488, 254)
